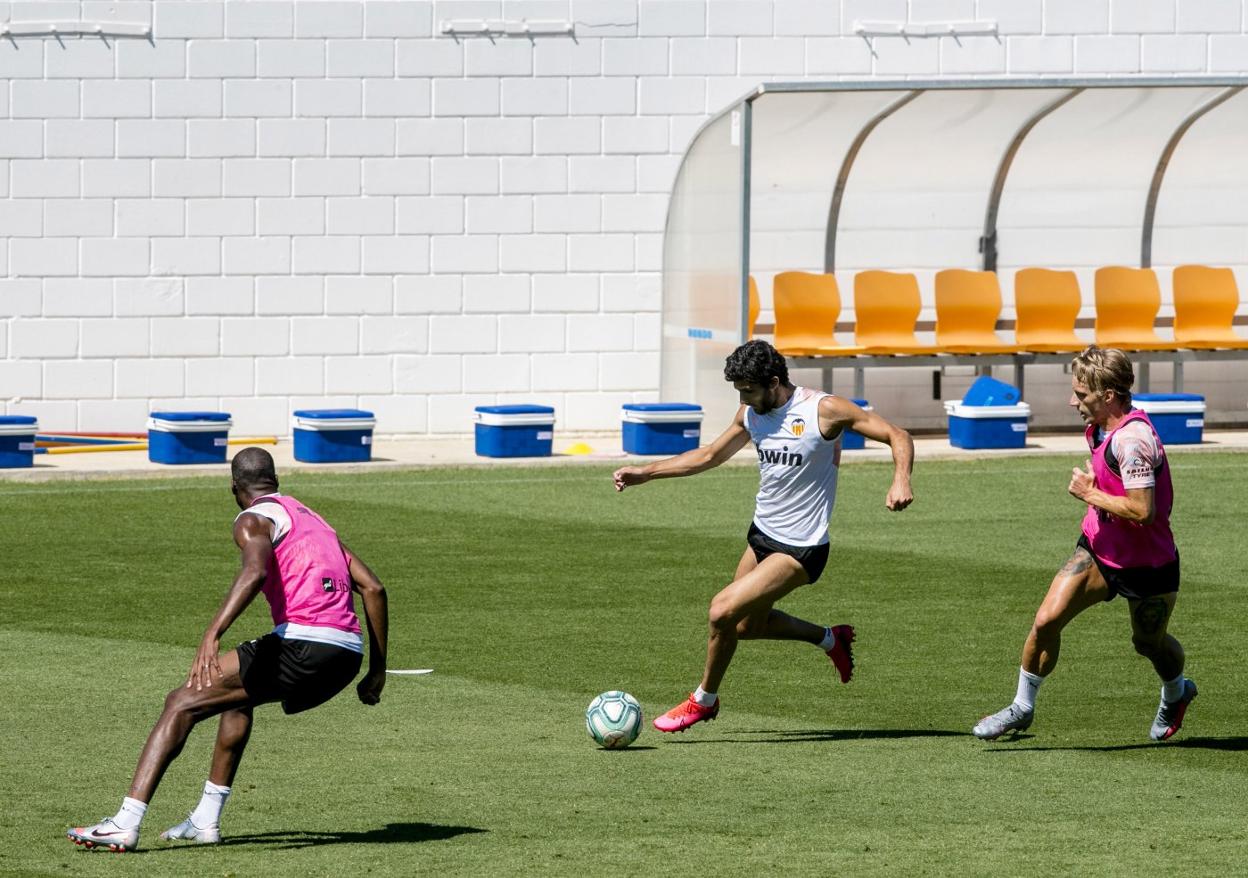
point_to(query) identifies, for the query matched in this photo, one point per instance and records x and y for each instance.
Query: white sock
(208, 811)
(1172, 690)
(1028, 685)
(704, 698)
(829, 640)
(131, 813)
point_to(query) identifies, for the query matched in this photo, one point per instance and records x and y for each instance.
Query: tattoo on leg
(1078, 563)
(1150, 616)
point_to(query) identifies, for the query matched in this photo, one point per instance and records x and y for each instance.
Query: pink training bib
(309, 582)
(1114, 540)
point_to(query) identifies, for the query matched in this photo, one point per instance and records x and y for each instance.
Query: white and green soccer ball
(613, 719)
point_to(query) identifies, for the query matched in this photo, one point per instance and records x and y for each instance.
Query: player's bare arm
(376, 614)
(692, 462)
(837, 413)
(254, 536)
(1138, 505)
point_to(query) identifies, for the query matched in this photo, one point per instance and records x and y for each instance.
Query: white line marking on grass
(98, 487)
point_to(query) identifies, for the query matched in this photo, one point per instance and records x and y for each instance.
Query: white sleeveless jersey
(797, 470)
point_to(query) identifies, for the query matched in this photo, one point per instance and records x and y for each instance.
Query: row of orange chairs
(968, 304)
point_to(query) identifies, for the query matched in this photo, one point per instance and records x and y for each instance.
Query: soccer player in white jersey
(797, 432)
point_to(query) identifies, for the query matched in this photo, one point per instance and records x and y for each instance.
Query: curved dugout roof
(911, 175)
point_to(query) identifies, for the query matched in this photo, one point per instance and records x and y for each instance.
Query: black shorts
(1135, 583)
(299, 673)
(812, 558)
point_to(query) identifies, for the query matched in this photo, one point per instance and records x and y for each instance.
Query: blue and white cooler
(514, 430)
(17, 440)
(661, 427)
(188, 437)
(987, 426)
(850, 440)
(333, 435)
(1178, 418)
(991, 414)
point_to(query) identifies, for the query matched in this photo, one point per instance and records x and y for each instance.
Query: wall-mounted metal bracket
(490, 28)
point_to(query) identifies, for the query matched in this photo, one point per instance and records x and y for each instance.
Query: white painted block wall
(281, 204)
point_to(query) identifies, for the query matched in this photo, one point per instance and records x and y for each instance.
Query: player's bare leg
(772, 624)
(751, 595)
(1075, 587)
(232, 736)
(1149, 620)
(184, 707)
(203, 825)
(754, 592)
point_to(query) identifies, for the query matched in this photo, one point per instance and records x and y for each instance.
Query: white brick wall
(287, 203)
(49, 257)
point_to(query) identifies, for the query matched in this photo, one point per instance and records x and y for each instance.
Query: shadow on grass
(1230, 745)
(629, 749)
(804, 736)
(391, 833)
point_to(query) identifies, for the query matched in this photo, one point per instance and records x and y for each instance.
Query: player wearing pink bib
(308, 578)
(1126, 547)
(797, 433)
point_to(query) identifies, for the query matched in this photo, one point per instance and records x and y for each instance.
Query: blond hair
(1101, 369)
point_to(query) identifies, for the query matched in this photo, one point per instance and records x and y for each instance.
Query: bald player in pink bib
(308, 577)
(1126, 547)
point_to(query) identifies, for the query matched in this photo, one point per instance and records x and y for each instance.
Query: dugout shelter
(1032, 190)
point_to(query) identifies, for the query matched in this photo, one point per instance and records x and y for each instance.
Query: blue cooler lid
(332, 414)
(989, 391)
(662, 407)
(191, 416)
(18, 419)
(1167, 397)
(515, 409)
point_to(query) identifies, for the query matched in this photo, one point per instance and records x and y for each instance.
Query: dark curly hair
(756, 362)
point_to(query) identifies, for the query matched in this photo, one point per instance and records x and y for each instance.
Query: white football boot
(1012, 719)
(105, 834)
(188, 831)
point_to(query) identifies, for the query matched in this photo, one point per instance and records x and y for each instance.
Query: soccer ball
(613, 719)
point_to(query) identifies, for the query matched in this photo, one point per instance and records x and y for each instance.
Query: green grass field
(531, 590)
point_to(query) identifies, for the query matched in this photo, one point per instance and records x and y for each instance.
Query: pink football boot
(685, 714)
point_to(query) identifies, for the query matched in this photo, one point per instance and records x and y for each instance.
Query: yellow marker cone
(578, 448)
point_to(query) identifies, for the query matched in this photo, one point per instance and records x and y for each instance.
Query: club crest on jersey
(797, 426)
(327, 584)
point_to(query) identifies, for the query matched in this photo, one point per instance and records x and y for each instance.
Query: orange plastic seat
(1046, 305)
(968, 304)
(807, 307)
(755, 305)
(1205, 300)
(886, 306)
(1127, 302)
